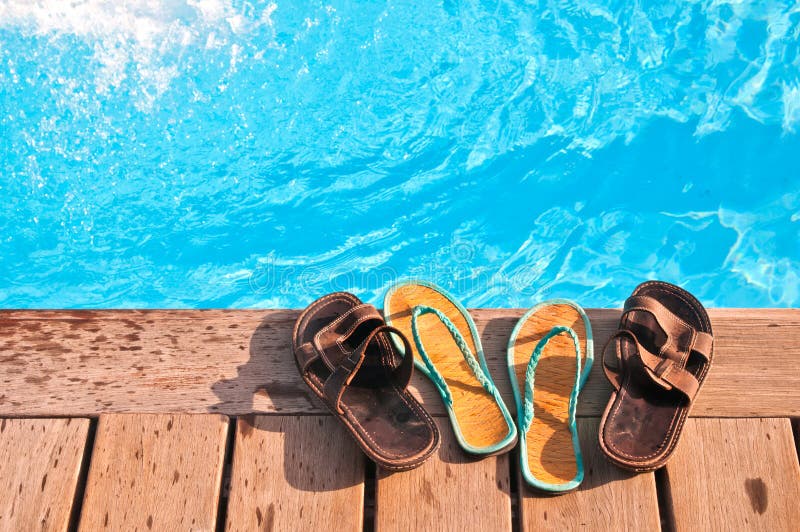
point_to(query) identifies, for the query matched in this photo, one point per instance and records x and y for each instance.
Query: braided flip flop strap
(469, 357)
(527, 408)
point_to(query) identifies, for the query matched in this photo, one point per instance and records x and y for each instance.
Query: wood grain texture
(84, 363)
(295, 473)
(40, 461)
(451, 491)
(608, 499)
(735, 474)
(155, 472)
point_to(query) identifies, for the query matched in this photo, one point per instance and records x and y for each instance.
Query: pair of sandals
(355, 361)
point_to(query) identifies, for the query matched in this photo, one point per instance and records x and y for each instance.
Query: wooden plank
(229, 362)
(84, 363)
(155, 471)
(290, 470)
(608, 499)
(451, 491)
(735, 474)
(40, 461)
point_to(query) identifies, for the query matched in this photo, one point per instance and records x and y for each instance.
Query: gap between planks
(80, 489)
(737, 499)
(225, 480)
(155, 471)
(734, 474)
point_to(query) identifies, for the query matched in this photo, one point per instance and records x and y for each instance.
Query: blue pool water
(211, 153)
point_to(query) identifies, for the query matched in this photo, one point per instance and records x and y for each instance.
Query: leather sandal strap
(703, 344)
(306, 354)
(405, 370)
(682, 338)
(345, 372)
(330, 340)
(613, 373)
(663, 371)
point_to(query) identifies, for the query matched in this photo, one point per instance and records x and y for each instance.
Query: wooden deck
(198, 420)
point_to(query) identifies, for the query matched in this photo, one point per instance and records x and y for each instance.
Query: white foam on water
(141, 33)
(145, 22)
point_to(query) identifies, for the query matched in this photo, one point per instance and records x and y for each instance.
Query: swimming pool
(259, 154)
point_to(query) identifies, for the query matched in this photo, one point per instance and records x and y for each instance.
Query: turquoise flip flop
(550, 355)
(447, 349)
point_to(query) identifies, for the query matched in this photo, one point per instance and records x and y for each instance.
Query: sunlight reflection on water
(229, 154)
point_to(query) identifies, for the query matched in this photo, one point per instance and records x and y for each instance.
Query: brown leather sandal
(346, 356)
(663, 350)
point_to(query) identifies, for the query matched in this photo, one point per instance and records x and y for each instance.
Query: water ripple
(227, 153)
